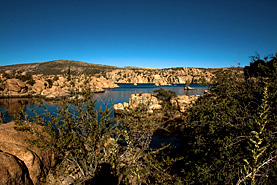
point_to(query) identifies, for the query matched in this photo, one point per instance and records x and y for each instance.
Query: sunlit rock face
(24, 164)
(152, 103)
(52, 86)
(160, 76)
(39, 86)
(14, 86)
(13, 170)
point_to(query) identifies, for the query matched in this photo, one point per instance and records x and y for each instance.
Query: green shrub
(31, 82)
(55, 78)
(50, 82)
(85, 138)
(218, 128)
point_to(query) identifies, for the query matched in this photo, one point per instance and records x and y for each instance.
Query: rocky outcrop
(15, 86)
(120, 108)
(36, 162)
(62, 86)
(55, 92)
(184, 101)
(13, 170)
(152, 103)
(145, 99)
(188, 88)
(39, 86)
(31, 160)
(59, 86)
(51, 87)
(103, 83)
(160, 76)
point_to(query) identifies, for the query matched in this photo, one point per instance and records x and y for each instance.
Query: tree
(68, 73)
(261, 67)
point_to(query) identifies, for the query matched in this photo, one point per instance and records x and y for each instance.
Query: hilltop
(58, 67)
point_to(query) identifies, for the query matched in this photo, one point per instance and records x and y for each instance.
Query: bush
(221, 129)
(50, 82)
(24, 78)
(31, 82)
(5, 75)
(84, 139)
(55, 78)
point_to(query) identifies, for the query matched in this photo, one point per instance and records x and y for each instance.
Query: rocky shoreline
(16, 84)
(22, 85)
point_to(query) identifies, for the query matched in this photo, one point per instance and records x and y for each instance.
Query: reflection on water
(106, 99)
(11, 106)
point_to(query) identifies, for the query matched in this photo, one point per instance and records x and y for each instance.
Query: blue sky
(144, 33)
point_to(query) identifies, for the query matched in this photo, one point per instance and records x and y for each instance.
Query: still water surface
(122, 94)
(106, 99)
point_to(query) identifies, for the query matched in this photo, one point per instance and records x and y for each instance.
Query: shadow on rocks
(104, 176)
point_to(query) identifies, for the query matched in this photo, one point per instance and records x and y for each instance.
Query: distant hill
(76, 67)
(59, 67)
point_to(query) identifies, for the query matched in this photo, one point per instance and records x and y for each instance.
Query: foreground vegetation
(227, 137)
(230, 135)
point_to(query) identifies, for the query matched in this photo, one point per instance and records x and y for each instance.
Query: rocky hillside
(117, 74)
(160, 76)
(57, 79)
(58, 67)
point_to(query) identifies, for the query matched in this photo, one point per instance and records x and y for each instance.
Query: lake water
(106, 99)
